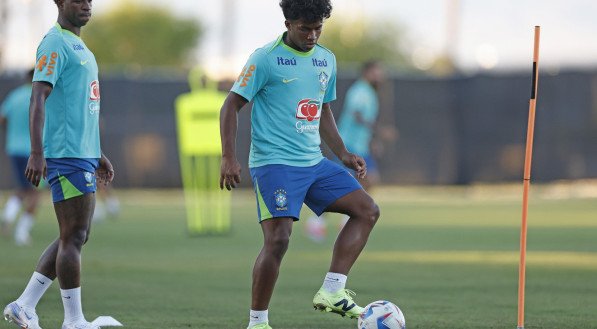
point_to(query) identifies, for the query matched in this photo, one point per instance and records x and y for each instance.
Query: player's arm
(230, 168)
(329, 132)
(36, 166)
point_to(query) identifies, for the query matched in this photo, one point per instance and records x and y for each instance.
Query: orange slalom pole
(527, 181)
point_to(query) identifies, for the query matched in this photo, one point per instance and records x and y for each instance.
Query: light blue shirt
(71, 129)
(288, 89)
(360, 98)
(15, 109)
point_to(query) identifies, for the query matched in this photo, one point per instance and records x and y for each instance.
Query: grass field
(447, 256)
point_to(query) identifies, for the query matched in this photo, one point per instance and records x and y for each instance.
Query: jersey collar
(280, 41)
(61, 30)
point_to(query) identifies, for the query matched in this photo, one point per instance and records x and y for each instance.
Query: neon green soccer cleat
(260, 326)
(340, 303)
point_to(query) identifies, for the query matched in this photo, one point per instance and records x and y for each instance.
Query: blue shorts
(281, 189)
(19, 164)
(71, 177)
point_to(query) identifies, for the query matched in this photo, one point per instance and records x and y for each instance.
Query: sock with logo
(257, 317)
(71, 299)
(37, 286)
(334, 282)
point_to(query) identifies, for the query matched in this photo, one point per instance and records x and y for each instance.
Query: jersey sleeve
(51, 59)
(330, 92)
(253, 77)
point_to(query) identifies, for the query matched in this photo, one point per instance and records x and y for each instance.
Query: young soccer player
(65, 105)
(291, 82)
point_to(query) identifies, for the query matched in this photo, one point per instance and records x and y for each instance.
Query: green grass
(447, 256)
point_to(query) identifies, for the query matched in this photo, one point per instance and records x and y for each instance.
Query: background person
(14, 115)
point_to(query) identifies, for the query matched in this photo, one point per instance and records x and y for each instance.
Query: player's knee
(371, 213)
(76, 237)
(278, 244)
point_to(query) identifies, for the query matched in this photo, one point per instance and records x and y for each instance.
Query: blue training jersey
(360, 98)
(288, 89)
(71, 128)
(15, 109)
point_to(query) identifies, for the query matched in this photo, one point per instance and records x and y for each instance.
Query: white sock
(257, 317)
(334, 282)
(37, 286)
(23, 228)
(11, 209)
(71, 299)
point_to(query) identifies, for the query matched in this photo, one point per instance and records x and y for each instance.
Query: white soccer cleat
(106, 321)
(80, 325)
(21, 316)
(103, 321)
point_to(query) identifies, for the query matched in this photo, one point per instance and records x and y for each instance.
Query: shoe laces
(350, 293)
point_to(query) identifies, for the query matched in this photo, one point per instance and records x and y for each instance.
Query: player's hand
(36, 168)
(229, 173)
(355, 163)
(105, 172)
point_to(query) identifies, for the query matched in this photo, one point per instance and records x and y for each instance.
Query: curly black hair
(309, 10)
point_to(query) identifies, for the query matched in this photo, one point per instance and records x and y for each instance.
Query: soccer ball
(382, 315)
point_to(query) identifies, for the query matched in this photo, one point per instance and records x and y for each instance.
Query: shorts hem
(345, 193)
(294, 218)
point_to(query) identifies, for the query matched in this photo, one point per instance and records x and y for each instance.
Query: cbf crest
(89, 178)
(281, 199)
(323, 81)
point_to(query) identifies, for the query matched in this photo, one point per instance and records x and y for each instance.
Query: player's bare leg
(352, 239)
(276, 237)
(363, 212)
(47, 262)
(74, 219)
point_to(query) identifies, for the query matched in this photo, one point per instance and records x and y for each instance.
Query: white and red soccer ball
(382, 314)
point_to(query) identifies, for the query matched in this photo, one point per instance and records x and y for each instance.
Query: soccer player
(356, 127)
(14, 113)
(291, 82)
(359, 116)
(65, 105)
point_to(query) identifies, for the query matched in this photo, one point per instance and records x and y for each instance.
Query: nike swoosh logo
(84, 62)
(66, 297)
(40, 281)
(289, 80)
(255, 317)
(332, 279)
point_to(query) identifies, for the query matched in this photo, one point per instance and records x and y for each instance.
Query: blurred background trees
(142, 36)
(356, 40)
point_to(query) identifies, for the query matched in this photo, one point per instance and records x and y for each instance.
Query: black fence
(450, 131)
